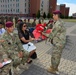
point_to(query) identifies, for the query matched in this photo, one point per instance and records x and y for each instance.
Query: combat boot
(24, 67)
(52, 70)
(55, 68)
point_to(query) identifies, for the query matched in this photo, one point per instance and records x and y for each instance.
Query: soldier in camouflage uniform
(17, 25)
(34, 23)
(4, 70)
(29, 25)
(13, 47)
(58, 40)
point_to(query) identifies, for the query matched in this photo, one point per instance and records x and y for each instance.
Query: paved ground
(68, 61)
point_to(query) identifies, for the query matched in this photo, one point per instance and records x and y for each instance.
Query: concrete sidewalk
(68, 61)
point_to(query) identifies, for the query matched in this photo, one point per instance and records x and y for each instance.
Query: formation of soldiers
(11, 48)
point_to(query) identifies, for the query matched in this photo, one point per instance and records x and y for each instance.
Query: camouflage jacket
(3, 55)
(58, 35)
(11, 44)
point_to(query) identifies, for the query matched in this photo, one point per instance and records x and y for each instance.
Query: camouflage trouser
(56, 55)
(6, 70)
(17, 61)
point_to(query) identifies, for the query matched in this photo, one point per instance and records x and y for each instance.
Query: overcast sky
(69, 3)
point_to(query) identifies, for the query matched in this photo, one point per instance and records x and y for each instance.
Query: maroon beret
(51, 21)
(9, 24)
(56, 12)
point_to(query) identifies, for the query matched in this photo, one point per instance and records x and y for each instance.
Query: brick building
(52, 5)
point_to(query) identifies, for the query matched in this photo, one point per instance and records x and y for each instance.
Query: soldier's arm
(54, 31)
(50, 26)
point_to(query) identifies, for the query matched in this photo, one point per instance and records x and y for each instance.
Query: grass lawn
(70, 20)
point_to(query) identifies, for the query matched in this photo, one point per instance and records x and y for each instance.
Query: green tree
(44, 15)
(48, 15)
(66, 17)
(38, 14)
(62, 16)
(70, 17)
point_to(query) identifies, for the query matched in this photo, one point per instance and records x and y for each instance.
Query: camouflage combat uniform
(7, 69)
(58, 40)
(33, 24)
(12, 46)
(29, 25)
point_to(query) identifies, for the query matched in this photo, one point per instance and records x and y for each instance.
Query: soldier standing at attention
(13, 47)
(58, 40)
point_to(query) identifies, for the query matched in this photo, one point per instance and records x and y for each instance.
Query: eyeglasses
(24, 26)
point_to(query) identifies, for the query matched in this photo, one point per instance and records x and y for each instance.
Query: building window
(41, 9)
(41, 5)
(17, 0)
(18, 4)
(13, 10)
(42, 2)
(13, 4)
(25, 10)
(8, 10)
(29, 5)
(25, 4)
(3, 5)
(8, 6)
(18, 10)
(29, 10)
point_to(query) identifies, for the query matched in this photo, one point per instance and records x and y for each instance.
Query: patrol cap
(56, 12)
(9, 24)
